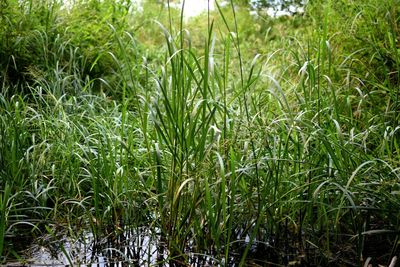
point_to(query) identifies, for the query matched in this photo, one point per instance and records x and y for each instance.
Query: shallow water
(133, 247)
(142, 246)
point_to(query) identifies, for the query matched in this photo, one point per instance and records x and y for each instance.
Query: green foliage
(277, 5)
(88, 29)
(43, 39)
(229, 135)
(19, 50)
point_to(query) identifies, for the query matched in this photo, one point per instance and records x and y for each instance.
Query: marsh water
(142, 246)
(131, 247)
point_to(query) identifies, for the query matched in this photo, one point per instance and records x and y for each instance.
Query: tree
(277, 5)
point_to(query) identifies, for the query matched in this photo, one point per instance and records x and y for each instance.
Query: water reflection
(132, 247)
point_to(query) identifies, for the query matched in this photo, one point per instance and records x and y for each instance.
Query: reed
(282, 154)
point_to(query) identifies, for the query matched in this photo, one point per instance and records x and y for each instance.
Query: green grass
(277, 142)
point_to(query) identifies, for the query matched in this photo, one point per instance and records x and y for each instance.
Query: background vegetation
(248, 139)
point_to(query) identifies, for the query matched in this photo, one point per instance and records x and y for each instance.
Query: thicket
(244, 138)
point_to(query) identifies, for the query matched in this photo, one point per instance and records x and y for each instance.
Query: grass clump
(286, 157)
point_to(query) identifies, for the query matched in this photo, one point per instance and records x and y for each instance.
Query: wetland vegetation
(130, 135)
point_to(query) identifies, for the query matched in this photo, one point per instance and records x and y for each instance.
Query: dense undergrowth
(253, 138)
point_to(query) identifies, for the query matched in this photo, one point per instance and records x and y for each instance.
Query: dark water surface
(132, 247)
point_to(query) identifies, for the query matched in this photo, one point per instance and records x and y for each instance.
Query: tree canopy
(274, 4)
